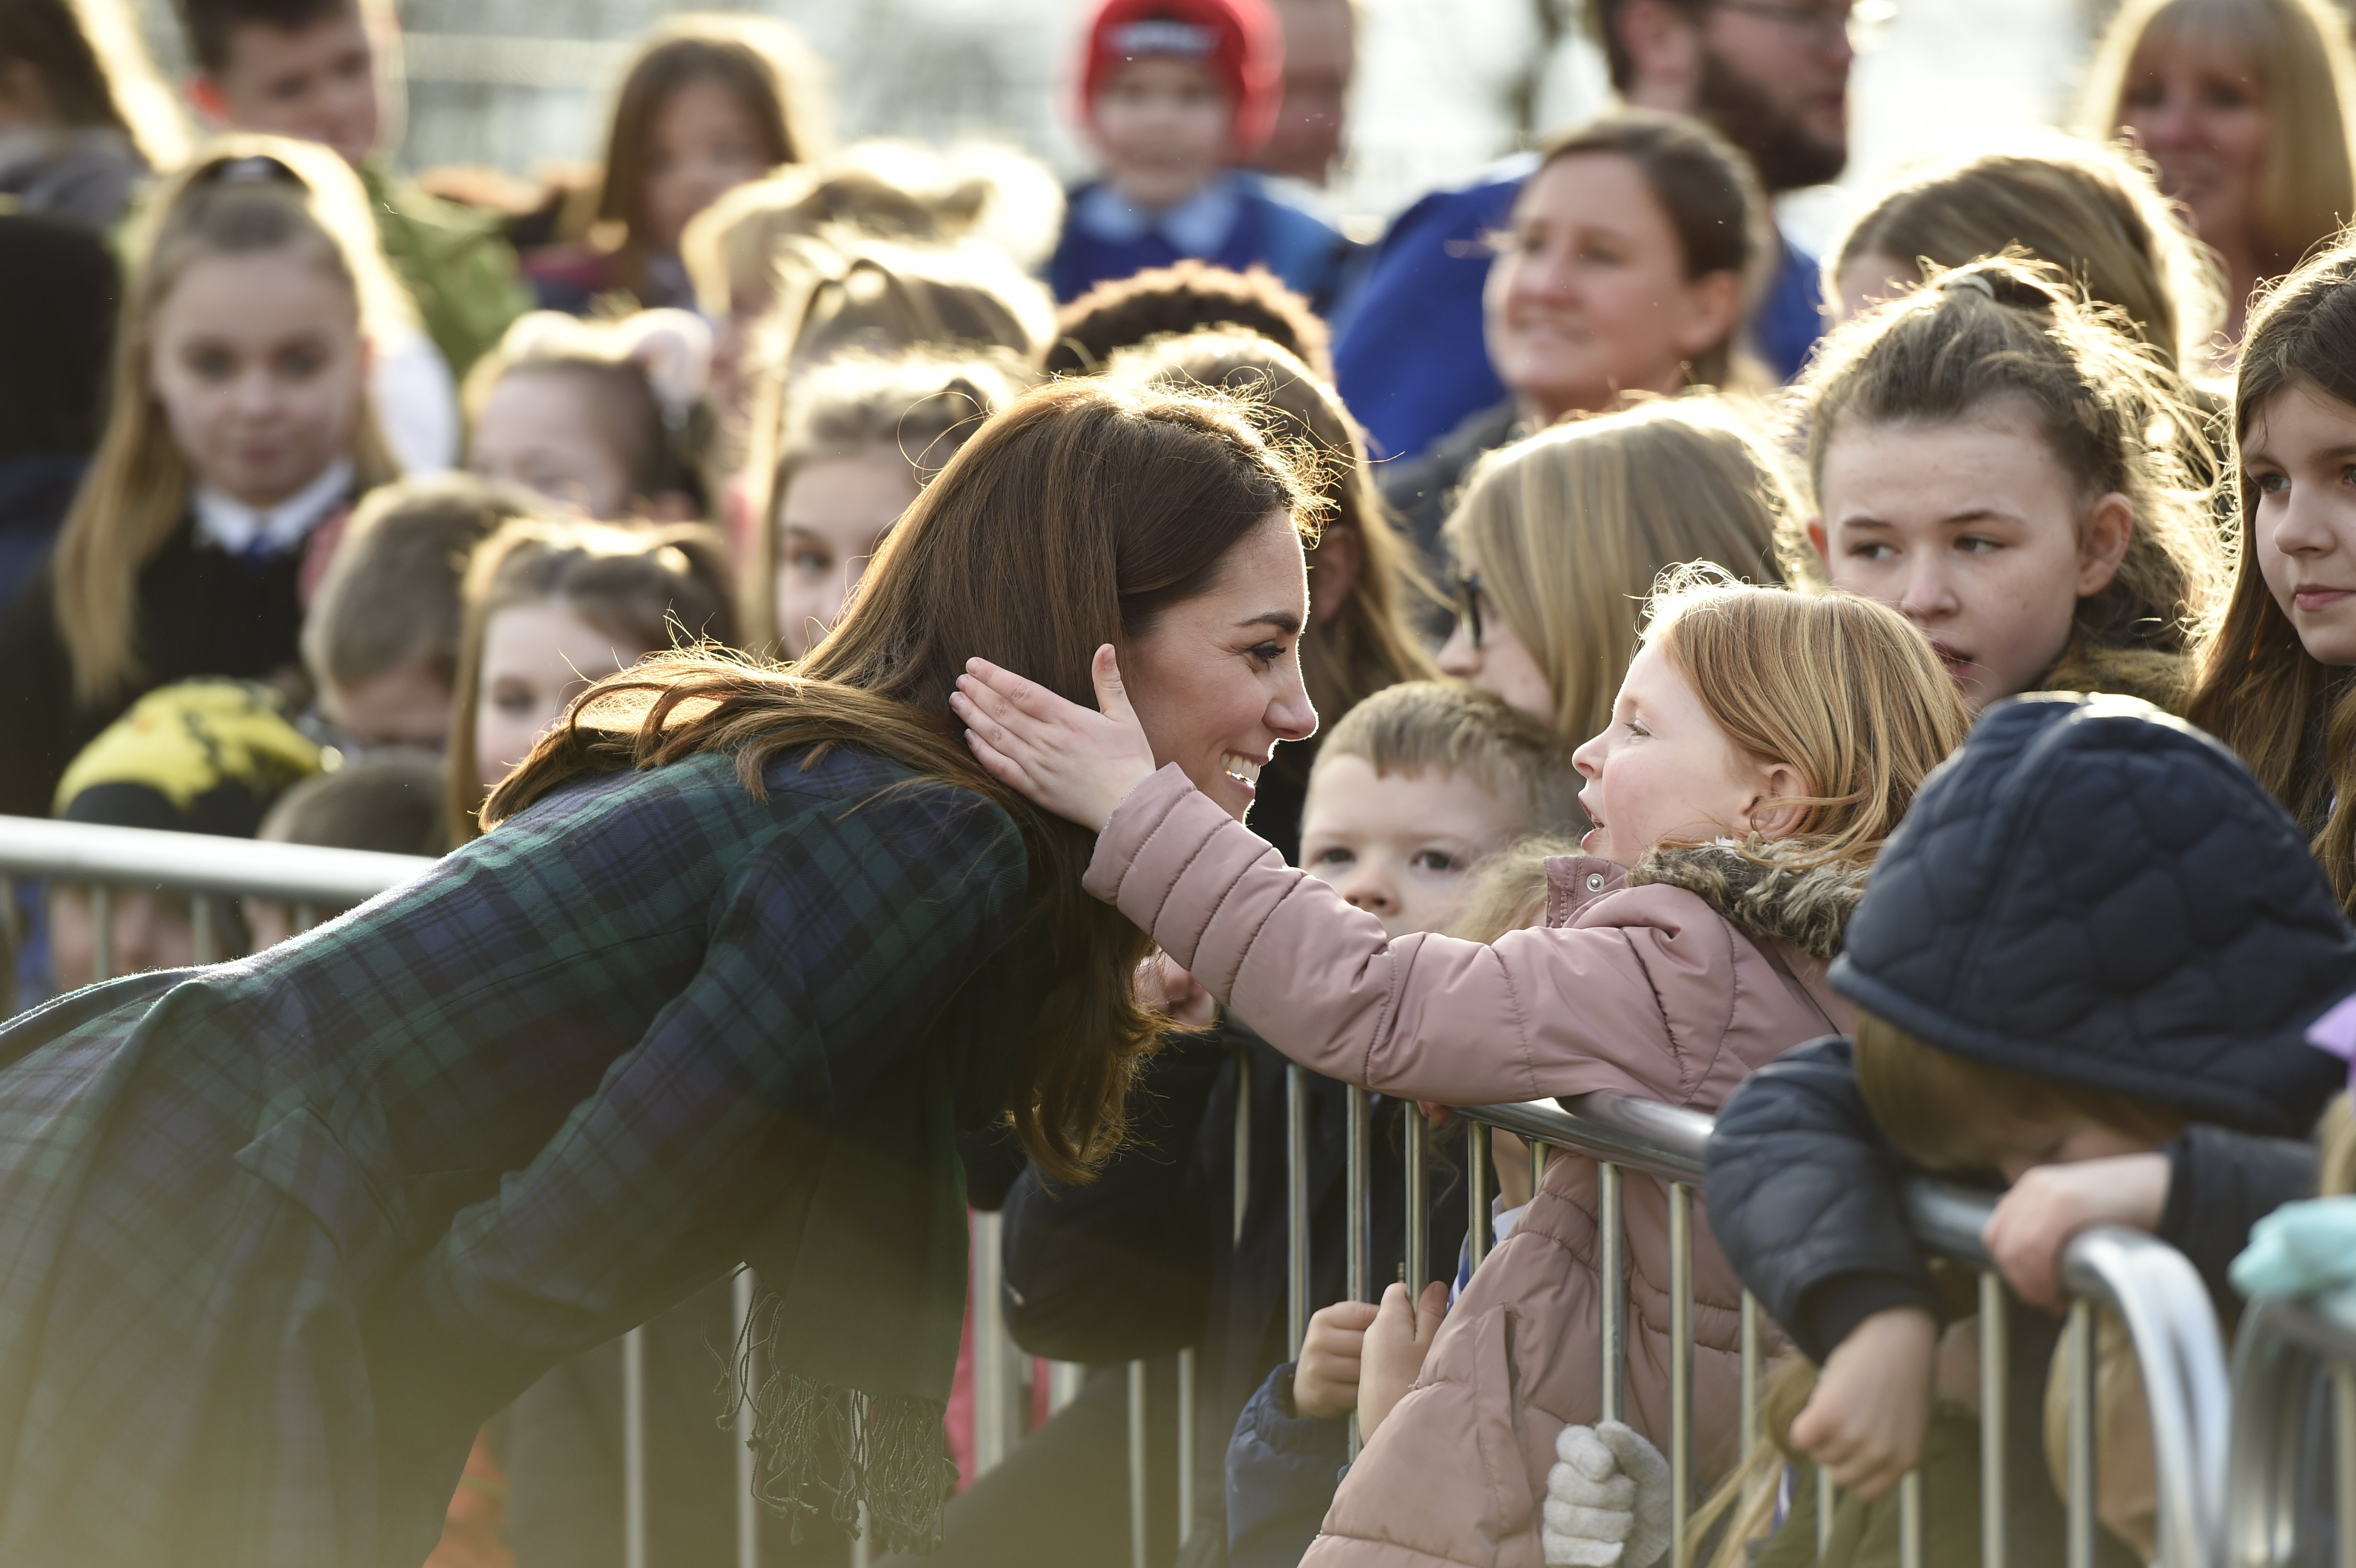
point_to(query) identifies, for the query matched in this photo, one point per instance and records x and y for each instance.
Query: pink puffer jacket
(1671, 982)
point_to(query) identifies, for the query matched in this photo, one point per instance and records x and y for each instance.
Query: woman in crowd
(2243, 106)
(241, 431)
(711, 103)
(1632, 253)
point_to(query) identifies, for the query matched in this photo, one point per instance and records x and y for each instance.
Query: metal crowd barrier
(2285, 1353)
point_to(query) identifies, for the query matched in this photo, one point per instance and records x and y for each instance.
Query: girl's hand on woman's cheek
(1059, 755)
(2050, 1203)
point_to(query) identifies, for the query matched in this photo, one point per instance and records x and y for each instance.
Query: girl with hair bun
(2005, 467)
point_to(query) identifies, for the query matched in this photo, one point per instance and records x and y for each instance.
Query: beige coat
(1635, 982)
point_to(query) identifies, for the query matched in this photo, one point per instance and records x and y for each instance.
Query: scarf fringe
(822, 1450)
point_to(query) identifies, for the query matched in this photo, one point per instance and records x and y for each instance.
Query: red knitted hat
(1240, 40)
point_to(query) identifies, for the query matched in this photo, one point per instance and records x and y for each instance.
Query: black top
(200, 611)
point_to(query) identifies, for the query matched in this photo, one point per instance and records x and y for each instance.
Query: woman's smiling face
(1215, 680)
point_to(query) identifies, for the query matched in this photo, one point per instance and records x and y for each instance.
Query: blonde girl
(551, 607)
(711, 103)
(2006, 467)
(1364, 584)
(239, 433)
(1762, 746)
(861, 434)
(2092, 211)
(2273, 682)
(2243, 105)
(1557, 540)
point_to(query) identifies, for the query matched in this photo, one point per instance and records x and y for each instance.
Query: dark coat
(1282, 1470)
(282, 1233)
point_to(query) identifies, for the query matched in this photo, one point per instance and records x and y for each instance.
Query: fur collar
(1768, 890)
(2161, 677)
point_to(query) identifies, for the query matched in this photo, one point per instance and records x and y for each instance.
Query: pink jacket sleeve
(1542, 1012)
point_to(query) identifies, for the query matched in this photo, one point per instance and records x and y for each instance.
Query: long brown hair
(2289, 716)
(1073, 518)
(1371, 643)
(290, 195)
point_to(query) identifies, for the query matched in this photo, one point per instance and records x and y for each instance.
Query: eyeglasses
(1862, 24)
(1466, 588)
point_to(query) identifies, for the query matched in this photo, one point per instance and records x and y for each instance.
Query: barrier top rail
(199, 862)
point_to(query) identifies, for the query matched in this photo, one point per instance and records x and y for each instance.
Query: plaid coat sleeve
(828, 948)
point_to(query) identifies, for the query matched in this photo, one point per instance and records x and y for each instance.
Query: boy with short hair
(309, 68)
(1174, 95)
(381, 641)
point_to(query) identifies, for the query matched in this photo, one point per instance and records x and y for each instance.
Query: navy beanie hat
(2093, 893)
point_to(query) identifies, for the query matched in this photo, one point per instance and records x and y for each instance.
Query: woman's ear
(2102, 542)
(1714, 309)
(1766, 813)
(1334, 570)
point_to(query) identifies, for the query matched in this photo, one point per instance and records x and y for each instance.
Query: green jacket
(457, 264)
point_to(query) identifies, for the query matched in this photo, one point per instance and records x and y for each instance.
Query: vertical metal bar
(101, 931)
(8, 930)
(1360, 1200)
(748, 1508)
(1538, 1165)
(1611, 1275)
(1137, 1478)
(200, 926)
(1476, 1192)
(1185, 1446)
(2081, 1364)
(1417, 1133)
(859, 1548)
(1910, 1520)
(1750, 1356)
(1064, 1380)
(1996, 1357)
(306, 915)
(1681, 1367)
(992, 1396)
(633, 1449)
(1825, 1497)
(1243, 1137)
(1296, 1207)
(2344, 1470)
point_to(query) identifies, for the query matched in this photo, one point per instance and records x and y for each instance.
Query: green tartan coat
(275, 1236)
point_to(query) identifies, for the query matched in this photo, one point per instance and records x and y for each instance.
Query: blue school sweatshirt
(1237, 221)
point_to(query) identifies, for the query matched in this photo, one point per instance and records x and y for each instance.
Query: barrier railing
(2283, 1356)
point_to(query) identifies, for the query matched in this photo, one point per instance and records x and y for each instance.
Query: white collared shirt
(222, 519)
(1197, 225)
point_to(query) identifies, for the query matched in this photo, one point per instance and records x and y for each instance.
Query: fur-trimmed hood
(1770, 890)
(2160, 677)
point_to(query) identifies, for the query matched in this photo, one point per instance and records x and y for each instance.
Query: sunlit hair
(847, 292)
(2010, 335)
(1570, 528)
(644, 586)
(1074, 519)
(2296, 52)
(1422, 727)
(95, 69)
(2091, 210)
(643, 373)
(1371, 641)
(1843, 689)
(1710, 195)
(882, 189)
(915, 408)
(2289, 715)
(764, 66)
(1189, 295)
(1953, 1114)
(245, 196)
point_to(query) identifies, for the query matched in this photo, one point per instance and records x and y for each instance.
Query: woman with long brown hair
(742, 951)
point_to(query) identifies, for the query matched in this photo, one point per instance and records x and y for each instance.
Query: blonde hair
(1423, 727)
(883, 189)
(2298, 50)
(247, 195)
(1372, 641)
(848, 291)
(643, 585)
(2092, 211)
(1571, 526)
(919, 406)
(2111, 412)
(1951, 1112)
(1842, 688)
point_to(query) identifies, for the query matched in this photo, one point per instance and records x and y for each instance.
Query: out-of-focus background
(1442, 86)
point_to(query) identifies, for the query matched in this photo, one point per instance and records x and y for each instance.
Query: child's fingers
(995, 762)
(1430, 1311)
(1350, 1318)
(1112, 696)
(1025, 696)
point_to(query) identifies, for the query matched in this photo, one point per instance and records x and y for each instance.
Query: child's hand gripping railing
(2155, 1292)
(2283, 1349)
